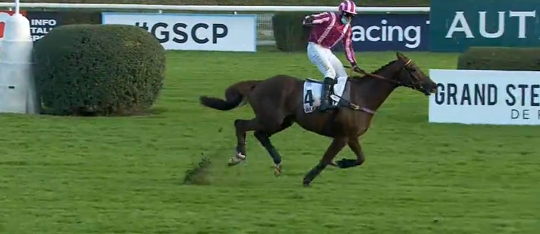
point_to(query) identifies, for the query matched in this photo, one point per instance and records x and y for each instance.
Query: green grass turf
(124, 175)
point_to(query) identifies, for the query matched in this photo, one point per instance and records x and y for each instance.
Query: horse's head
(409, 75)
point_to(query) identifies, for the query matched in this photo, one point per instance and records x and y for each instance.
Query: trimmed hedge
(88, 69)
(500, 58)
(289, 33)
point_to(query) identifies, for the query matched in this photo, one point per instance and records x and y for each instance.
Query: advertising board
(460, 24)
(485, 97)
(209, 32)
(390, 32)
(42, 22)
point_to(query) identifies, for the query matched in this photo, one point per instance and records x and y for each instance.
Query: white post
(17, 7)
(17, 88)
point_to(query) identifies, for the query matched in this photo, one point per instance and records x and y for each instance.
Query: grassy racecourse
(124, 175)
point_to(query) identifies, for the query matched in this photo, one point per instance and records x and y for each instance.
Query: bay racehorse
(282, 100)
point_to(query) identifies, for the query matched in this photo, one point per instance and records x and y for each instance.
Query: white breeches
(328, 64)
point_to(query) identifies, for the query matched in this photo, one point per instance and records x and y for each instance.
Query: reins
(368, 74)
(364, 109)
(379, 76)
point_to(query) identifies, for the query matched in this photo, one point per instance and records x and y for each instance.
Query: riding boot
(326, 103)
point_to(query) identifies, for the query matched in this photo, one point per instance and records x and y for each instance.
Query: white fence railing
(264, 13)
(214, 8)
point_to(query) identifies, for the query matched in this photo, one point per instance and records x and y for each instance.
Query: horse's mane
(385, 66)
(376, 71)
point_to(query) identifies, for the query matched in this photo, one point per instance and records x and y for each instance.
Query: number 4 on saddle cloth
(311, 97)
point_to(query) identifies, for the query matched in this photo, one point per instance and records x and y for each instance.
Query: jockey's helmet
(347, 7)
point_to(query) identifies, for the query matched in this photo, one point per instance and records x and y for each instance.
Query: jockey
(328, 28)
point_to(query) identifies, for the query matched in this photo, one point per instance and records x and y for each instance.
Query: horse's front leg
(334, 148)
(354, 145)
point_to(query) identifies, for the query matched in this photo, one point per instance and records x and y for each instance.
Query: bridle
(415, 83)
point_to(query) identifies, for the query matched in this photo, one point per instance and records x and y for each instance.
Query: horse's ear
(401, 56)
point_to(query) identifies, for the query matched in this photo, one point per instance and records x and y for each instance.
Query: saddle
(313, 90)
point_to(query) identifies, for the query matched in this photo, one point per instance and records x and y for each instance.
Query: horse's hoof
(345, 163)
(306, 184)
(277, 170)
(235, 160)
(232, 163)
(341, 163)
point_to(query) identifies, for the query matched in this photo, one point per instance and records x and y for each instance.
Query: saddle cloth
(311, 96)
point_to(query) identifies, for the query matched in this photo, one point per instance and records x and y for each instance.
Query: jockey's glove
(357, 69)
(308, 20)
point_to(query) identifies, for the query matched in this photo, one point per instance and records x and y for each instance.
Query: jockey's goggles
(347, 14)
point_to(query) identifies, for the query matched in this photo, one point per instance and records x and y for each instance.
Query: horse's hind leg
(264, 139)
(242, 126)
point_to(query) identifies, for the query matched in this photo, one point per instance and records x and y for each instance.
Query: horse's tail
(234, 96)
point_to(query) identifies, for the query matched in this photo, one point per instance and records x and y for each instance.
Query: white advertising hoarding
(194, 31)
(485, 97)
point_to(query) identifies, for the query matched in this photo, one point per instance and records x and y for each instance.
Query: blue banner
(42, 22)
(403, 32)
(460, 24)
